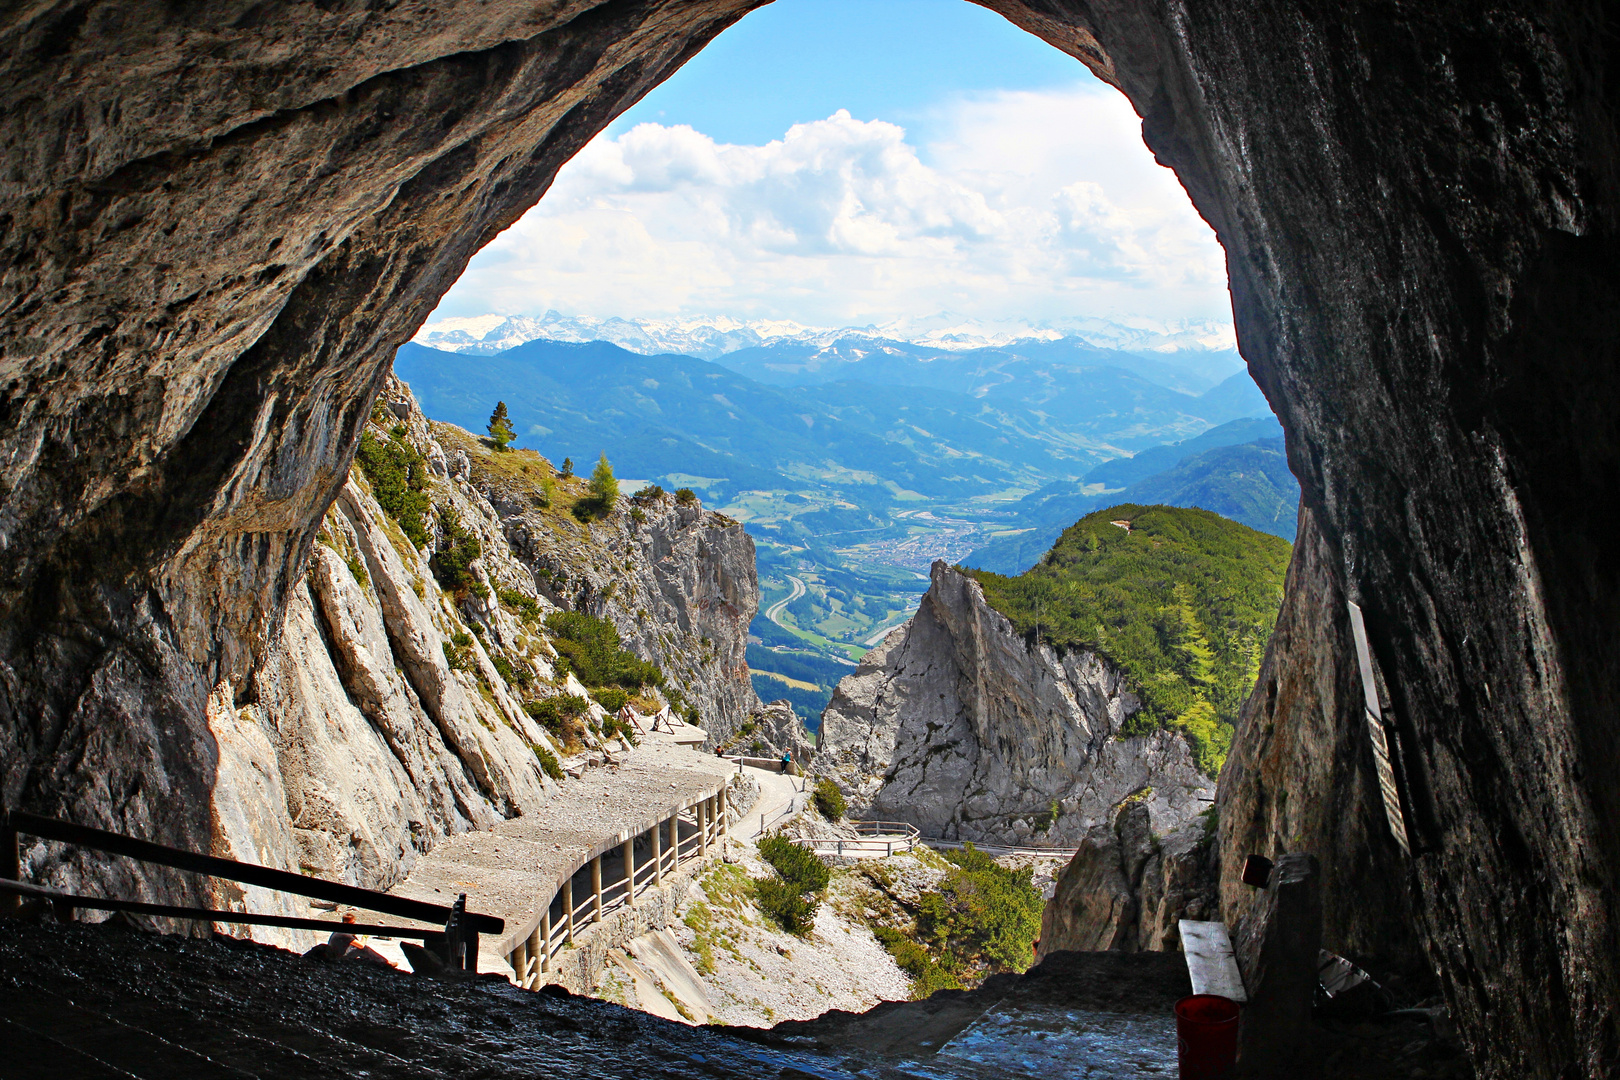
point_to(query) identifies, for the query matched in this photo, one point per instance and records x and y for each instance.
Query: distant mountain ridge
(995, 420)
(709, 337)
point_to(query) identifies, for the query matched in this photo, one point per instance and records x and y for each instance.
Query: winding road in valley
(774, 612)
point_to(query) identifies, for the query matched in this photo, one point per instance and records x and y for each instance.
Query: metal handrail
(894, 828)
(461, 927)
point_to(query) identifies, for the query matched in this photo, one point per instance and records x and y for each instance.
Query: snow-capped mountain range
(711, 337)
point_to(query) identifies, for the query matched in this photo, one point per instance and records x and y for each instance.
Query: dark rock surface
(216, 224)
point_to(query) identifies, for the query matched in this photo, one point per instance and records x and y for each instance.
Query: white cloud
(1025, 206)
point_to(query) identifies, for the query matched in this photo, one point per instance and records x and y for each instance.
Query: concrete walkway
(779, 799)
(514, 870)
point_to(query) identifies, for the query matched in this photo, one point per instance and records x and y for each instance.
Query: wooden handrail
(246, 873)
(60, 899)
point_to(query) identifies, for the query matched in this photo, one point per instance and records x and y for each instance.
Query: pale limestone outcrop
(678, 581)
(1127, 889)
(365, 743)
(959, 725)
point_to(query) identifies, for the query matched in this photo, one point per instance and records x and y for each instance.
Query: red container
(1206, 1037)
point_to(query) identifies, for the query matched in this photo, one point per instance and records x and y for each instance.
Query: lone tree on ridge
(500, 427)
(604, 485)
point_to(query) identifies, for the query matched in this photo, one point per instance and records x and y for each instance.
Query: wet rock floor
(97, 1001)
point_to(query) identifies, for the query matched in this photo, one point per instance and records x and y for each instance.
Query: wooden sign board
(1377, 734)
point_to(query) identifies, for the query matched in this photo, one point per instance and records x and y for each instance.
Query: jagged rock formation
(213, 235)
(1127, 890)
(676, 580)
(960, 726)
(772, 731)
(382, 720)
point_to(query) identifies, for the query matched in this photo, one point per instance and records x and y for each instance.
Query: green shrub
(358, 569)
(790, 899)
(981, 916)
(611, 698)
(786, 906)
(927, 975)
(548, 761)
(829, 800)
(452, 564)
(558, 715)
(398, 479)
(513, 677)
(526, 606)
(648, 494)
(623, 729)
(638, 515)
(685, 496)
(458, 652)
(591, 647)
(798, 866)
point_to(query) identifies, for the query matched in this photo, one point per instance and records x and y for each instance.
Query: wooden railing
(565, 914)
(456, 944)
(873, 837)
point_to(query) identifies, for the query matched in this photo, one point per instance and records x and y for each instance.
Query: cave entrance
(1013, 221)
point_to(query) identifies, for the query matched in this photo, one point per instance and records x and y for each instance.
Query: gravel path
(513, 870)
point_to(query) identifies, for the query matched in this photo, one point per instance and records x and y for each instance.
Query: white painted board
(1210, 961)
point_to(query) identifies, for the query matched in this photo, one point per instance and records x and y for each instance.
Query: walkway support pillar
(596, 884)
(703, 826)
(725, 813)
(568, 907)
(675, 841)
(545, 938)
(630, 872)
(654, 835)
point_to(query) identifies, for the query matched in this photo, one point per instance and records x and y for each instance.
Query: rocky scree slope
(960, 725)
(400, 704)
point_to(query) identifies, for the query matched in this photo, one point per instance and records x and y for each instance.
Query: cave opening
(218, 236)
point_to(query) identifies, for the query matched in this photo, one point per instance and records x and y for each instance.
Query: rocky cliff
(391, 711)
(970, 731)
(1127, 889)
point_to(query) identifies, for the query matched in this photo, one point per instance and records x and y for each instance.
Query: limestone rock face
(676, 580)
(960, 726)
(1301, 732)
(775, 730)
(1127, 890)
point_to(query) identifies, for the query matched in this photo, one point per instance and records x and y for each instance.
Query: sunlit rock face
(962, 727)
(215, 228)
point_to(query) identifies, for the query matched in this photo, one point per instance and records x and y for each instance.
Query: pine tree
(567, 468)
(500, 427)
(604, 485)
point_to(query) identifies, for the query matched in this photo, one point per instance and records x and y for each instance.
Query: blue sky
(851, 162)
(895, 60)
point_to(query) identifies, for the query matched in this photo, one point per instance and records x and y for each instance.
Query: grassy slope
(1183, 603)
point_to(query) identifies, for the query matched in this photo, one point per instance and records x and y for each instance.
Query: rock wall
(1127, 890)
(381, 720)
(213, 233)
(960, 726)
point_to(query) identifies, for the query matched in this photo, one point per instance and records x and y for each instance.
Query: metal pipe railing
(459, 938)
